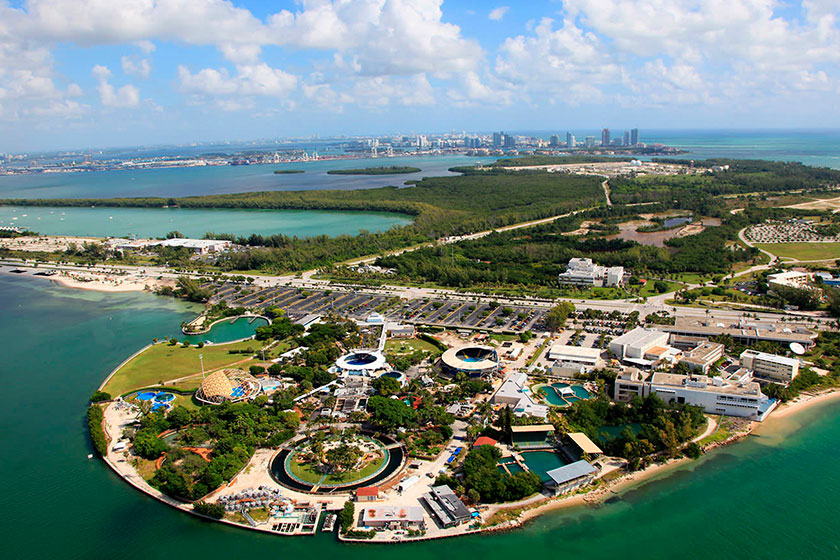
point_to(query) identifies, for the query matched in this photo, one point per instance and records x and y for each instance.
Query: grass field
(408, 346)
(307, 472)
(803, 251)
(163, 362)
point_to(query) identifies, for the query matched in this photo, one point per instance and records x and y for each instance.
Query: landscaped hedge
(97, 434)
(433, 341)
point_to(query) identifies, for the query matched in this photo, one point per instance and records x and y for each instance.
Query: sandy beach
(108, 283)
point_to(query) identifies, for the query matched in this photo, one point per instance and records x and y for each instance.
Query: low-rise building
(570, 477)
(583, 272)
(574, 355)
(367, 494)
(715, 395)
(703, 356)
(198, 246)
(445, 506)
(789, 279)
(636, 343)
(535, 436)
(772, 367)
(393, 517)
(514, 392)
(743, 332)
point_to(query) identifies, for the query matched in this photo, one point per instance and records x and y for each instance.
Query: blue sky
(81, 73)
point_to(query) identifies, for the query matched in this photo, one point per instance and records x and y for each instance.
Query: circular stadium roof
(227, 385)
(471, 359)
(361, 361)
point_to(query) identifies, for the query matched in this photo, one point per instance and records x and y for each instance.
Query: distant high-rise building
(508, 141)
(589, 142)
(605, 137)
(634, 136)
(570, 140)
(626, 138)
(554, 141)
(497, 139)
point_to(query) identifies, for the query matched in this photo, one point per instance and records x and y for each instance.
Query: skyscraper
(634, 136)
(570, 140)
(497, 139)
(626, 138)
(508, 141)
(555, 141)
(605, 137)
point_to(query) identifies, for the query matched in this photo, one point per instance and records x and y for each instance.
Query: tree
(555, 319)
(99, 396)
(346, 516)
(215, 510)
(390, 413)
(386, 386)
(256, 370)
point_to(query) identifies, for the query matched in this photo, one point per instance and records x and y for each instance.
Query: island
(288, 171)
(389, 170)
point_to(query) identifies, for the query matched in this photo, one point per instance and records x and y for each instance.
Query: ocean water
(188, 181)
(773, 496)
(194, 222)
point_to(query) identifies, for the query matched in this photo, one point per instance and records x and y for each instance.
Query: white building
(574, 355)
(636, 343)
(393, 517)
(514, 392)
(770, 366)
(789, 279)
(198, 246)
(714, 394)
(703, 356)
(583, 272)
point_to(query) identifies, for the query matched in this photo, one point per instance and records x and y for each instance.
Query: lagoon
(193, 222)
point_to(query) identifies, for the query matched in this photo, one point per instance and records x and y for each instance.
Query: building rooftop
(379, 514)
(532, 428)
(791, 362)
(567, 473)
(638, 337)
(584, 443)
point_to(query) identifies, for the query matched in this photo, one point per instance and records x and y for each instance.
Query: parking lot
(451, 313)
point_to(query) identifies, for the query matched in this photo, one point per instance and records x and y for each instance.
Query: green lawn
(648, 291)
(307, 472)
(163, 362)
(407, 346)
(803, 251)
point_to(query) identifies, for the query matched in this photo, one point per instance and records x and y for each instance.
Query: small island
(288, 171)
(389, 170)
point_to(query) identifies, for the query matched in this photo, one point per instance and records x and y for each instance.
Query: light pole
(201, 359)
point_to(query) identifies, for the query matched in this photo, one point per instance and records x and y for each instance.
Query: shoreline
(595, 498)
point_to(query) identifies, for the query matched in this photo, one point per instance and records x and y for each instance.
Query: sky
(98, 73)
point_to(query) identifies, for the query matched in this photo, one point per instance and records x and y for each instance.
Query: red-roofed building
(367, 494)
(484, 440)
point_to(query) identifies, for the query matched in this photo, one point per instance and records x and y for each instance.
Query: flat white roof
(639, 337)
(387, 514)
(577, 352)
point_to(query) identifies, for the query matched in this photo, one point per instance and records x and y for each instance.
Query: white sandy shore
(108, 283)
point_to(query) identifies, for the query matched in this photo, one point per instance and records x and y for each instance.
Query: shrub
(216, 511)
(99, 396)
(346, 515)
(97, 434)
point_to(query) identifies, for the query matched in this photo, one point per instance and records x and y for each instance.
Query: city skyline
(101, 74)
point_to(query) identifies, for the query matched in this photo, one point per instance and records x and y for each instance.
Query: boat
(329, 523)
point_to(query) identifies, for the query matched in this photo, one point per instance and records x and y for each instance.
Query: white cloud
(250, 80)
(126, 96)
(496, 14)
(137, 67)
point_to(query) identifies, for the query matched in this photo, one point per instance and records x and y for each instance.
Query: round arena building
(370, 363)
(473, 360)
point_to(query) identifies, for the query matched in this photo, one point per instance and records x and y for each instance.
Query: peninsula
(446, 386)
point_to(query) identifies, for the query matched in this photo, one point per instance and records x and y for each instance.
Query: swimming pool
(540, 462)
(563, 394)
(160, 400)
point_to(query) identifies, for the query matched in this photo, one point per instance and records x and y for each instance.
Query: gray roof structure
(567, 473)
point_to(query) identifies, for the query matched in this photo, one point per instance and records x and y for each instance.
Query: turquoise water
(554, 398)
(157, 222)
(541, 462)
(767, 497)
(186, 181)
(227, 330)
